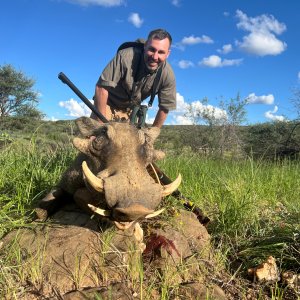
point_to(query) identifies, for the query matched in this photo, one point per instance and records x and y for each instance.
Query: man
(128, 79)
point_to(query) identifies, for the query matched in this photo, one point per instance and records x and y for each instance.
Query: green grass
(27, 173)
(253, 205)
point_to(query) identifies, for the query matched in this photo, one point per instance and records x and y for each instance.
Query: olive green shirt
(118, 78)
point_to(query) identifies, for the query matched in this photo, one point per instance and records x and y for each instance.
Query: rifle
(163, 178)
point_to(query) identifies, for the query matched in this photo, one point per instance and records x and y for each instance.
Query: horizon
(220, 49)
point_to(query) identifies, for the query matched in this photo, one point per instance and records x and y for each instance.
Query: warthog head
(112, 169)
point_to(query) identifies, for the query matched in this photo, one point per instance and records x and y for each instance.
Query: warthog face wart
(109, 177)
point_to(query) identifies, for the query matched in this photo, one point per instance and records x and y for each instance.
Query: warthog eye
(103, 130)
(101, 139)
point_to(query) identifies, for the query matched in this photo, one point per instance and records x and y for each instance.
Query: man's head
(157, 48)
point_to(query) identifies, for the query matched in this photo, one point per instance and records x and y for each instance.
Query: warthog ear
(81, 144)
(111, 133)
(151, 134)
(112, 136)
(87, 126)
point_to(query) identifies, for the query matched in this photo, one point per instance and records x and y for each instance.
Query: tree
(29, 111)
(273, 140)
(15, 91)
(222, 134)
(202, 112)
(236, 115)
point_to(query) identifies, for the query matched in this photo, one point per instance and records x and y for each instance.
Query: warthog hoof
(41, 214)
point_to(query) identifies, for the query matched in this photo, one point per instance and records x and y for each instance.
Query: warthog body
(117, 154)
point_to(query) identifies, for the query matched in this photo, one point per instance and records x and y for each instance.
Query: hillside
(266, 140)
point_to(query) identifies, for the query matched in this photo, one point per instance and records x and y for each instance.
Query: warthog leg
(51, 203)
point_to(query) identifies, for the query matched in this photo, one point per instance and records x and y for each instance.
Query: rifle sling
(154, 86)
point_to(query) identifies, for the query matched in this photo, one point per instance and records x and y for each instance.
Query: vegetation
(270, 141)
(253, 202)
(17, 96)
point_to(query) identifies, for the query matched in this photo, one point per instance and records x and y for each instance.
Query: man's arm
(160, 117)
(100, 101)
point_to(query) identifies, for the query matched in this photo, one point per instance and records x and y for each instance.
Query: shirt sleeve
(167, 91)
(112, 73)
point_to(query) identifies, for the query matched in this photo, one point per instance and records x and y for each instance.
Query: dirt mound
(74, 256)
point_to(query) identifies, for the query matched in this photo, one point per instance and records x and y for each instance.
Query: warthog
(109, 176)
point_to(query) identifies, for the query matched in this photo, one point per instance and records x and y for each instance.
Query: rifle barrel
(92, 107)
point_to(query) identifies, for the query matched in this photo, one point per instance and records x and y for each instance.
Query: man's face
(156, 52)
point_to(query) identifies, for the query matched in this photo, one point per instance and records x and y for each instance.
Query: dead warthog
(109, 176)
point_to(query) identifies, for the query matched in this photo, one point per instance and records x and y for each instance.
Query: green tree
(221, 134)
(29, 111)
(206, 139)
(230, 137)
(272, 140)
(16, 91)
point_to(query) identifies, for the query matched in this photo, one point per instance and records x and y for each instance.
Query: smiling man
(129, 78)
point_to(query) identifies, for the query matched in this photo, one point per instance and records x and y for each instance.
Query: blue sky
(220, 48)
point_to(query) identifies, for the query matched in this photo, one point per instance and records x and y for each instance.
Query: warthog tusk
(99, 211)
(170, 188)
(154, 214)
(95, 182)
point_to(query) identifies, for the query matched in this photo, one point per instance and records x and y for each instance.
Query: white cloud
(52, 119)
(106, 3)
(212, 61)
(299, 76)
(262, 38)
(271, 115)
(193, 40)
(75, 109)
(264, 99)
(181, 105)
(215, 61)
(149, 120)
(225, 49)
(263, 23)
(261, 44)
(176, 2)
(184, 64)
(212, 111)
(179, 118)
(136, 20)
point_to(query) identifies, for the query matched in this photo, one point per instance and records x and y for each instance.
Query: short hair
(160, 34)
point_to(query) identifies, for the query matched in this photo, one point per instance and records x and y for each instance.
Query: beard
(151, 64)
